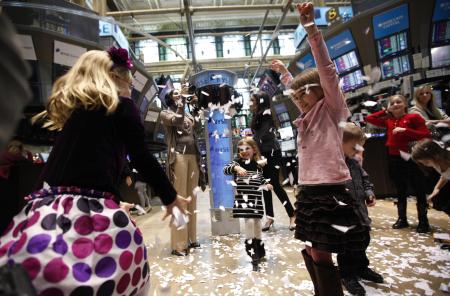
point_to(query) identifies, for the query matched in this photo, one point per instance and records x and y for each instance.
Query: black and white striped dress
(248, 200)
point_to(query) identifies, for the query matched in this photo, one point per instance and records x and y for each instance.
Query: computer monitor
(441, 31)
(440, 56)
(288, 145)
(346, 62)
(352, 81)
(391, 45)
(395, 66)
(286, 133)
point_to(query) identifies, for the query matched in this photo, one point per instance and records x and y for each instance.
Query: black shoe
(401, 223)
(195, 245)
(267, 226)
(423, 227)
(178, 253)
(370, 275)
(353, 286)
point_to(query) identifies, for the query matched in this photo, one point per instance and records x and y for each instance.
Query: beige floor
(412, 264)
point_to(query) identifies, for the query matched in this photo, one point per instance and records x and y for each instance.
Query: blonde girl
(248, 200)
(72, 237)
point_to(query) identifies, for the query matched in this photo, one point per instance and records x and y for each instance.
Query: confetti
(205, 93)
(369, 103)
(222, 208)
(277, 167)
(284, 203)
(359, 148)
(261, 101)
(342, 228)
(310, 24)
(140, 209)
(193, 173)
(262, 162)
(285, 181)
(367, 30)
(342, 124)
(232, 183)
(178, 218)
(245, 197)
(405, 156)
(267, 112)
(288, 164)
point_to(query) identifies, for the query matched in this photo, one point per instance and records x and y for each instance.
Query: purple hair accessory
(120, 57)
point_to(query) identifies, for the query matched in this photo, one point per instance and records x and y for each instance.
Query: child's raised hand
(306, 11)
(278, 66)
(240, 171)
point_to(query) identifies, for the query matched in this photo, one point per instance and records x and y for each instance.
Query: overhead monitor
(440, 56)
(395, 66)
(346, 62)
(391, 21)
(280, 108)
(352, 81)
(392, 45)
(340, 44)
(441, 32)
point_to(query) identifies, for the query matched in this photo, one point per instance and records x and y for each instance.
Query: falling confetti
(285, 181)
(359, 148)
(222, 208)
(205, 93)
(405, 156)
(342, 228)
(342, 124)
(277, 167)
(367, 30)
(310, 24)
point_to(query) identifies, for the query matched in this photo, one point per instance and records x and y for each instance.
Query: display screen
(352, 81)
(288, 145)
(280, 108)
(283, 117)
(441, 31)
(395, 66)
(286, 133)
(392, 44)
(346, 62)
(440, 56)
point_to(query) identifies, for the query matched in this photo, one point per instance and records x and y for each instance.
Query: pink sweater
(319, 143)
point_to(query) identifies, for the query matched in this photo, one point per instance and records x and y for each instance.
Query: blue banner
(340, 44)
(441, 10)
(220, 154)
(213, 77)
(391, 21)
(306, 62)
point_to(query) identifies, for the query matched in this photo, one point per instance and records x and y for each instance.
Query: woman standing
(183, 165)
(72, 237)
(264, 134)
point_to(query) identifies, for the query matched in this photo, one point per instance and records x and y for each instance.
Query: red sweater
(415, 129)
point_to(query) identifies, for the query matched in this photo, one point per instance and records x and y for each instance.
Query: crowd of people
(75, 236)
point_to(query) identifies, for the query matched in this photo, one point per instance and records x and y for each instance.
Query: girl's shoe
(292, 224)
(194, 245)
(268, 225)
(178, 253)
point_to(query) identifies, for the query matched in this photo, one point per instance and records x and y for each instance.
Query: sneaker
(370, 275)
(353, 286)
(401, 223)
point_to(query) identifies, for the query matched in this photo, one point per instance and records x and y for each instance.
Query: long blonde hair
(87, 85)
(430, 108)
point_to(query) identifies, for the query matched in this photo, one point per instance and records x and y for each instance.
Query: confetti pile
(411, 263)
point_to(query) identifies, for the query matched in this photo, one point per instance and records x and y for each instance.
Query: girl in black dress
(264, 134)
(250, 183)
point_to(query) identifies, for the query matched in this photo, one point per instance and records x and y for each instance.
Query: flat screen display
(440, 56)
(346, 62)
(280, 108)
(352, 81)
(392, 44)
(395, 66)
(288, 145)
(286, 133)
(441, 31)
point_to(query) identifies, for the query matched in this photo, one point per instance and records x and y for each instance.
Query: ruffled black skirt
(327, 221)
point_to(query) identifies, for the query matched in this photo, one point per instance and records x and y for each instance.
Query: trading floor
(411, 263)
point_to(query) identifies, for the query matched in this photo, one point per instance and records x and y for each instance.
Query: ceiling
(167, 16)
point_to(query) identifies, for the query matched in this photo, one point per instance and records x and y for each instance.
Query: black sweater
(264, 133)
(90, 152)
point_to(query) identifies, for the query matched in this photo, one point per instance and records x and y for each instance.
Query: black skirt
(320, 207)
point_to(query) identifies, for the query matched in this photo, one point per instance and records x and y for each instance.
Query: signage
(340, 44)
(299, 35)
(213, 77)
(441, 10)
(219, 155)
(320, 16)
(346, 12)
(306, 62)
(66, 54)
(27, 47)
(113, 30)
(390, 22)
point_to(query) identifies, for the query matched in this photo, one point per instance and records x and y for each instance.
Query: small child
(432, 154)
(354, 264)
(402, 129)
(248, 204)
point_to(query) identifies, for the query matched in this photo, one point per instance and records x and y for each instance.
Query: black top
(90, 152)
(264, 133)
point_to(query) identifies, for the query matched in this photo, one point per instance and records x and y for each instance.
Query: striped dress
(248, 199)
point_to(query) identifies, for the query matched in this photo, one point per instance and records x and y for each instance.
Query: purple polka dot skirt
(77, 242)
